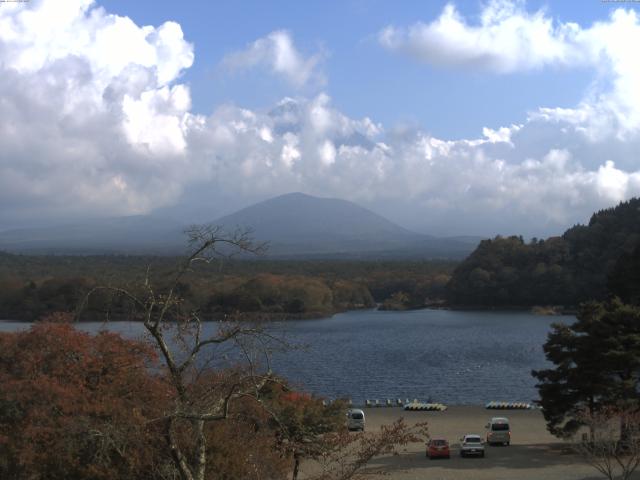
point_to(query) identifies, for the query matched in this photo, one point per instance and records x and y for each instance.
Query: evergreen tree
(596, 365)
(564, 270)
(624, 280)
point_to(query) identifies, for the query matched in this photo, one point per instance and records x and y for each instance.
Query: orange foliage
(295, 397)
(75, 405)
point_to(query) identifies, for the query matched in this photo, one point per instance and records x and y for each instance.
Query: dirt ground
(534, 454)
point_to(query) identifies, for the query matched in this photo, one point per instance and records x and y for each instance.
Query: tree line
(33, 286)
(591, 394)
(585, 263)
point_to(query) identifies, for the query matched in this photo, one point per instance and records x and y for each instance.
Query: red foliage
(295, 397)
(77, 405)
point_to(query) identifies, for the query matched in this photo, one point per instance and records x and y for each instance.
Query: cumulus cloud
(599, 133)
(278, 53)
(510, 39)
(89, 128)
(507, 39)
(529, 177)
(91, 117)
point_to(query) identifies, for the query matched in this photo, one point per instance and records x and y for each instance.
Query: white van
(355, 419)
(498, 431)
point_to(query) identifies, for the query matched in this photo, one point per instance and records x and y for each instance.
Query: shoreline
(552, 310)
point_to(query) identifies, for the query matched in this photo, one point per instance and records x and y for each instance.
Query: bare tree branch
(199, 399)
(612, 445)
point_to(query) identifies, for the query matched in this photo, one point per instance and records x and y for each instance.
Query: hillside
(318, 224)
(562, 270)
(295, 226)
(131, 235)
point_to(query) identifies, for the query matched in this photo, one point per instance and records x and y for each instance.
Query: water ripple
(452, 357)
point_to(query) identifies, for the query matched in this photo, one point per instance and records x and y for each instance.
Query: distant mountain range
(295, 225)
(135, 234)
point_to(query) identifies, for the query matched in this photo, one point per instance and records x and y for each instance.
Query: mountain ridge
(295, 225)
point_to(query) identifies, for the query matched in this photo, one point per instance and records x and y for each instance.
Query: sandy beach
(534, 454)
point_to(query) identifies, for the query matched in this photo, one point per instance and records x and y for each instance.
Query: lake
(454, 357)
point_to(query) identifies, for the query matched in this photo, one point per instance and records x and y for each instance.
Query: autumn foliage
(79, 406)
(76, 405)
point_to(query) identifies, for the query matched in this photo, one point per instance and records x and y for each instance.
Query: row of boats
(406, 404)
(509, 406)
(415, 405)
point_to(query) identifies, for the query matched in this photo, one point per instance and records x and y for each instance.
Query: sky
(450, 118)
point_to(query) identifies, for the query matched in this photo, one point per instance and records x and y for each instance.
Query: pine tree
(597, 365)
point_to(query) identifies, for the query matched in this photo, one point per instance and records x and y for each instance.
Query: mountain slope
(299, 224)
(318, 224)
(135, 234)
(295, 225)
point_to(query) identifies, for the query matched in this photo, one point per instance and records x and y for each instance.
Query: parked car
(471, 445)
(438, 448)
(355, 419)
(498, 431)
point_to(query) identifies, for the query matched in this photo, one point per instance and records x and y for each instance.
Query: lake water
(448, 356)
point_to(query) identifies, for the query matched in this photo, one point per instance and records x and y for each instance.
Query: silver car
(498, 431)
(355, 419)
(471, 445)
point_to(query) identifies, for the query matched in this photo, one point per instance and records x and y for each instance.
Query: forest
(588, 262)
(33, 286)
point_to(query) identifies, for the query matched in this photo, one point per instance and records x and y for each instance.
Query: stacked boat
(508, 406)
(425, 407)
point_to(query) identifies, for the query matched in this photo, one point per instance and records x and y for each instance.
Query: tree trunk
(592, 429)
(201, 450)
(625, 434)
(296, 466)
(176, 453)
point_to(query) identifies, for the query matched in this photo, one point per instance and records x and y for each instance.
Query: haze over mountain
(294, 225)
(132, 234)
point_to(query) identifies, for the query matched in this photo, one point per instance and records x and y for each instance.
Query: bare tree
(202, 390)
(346, 454)
(210, 367)
(612, 443)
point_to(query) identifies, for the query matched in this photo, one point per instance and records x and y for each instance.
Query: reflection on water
(450, 357)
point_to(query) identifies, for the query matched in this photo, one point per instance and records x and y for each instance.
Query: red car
(438, 447)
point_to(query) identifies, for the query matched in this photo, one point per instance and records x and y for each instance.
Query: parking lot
(534, 454)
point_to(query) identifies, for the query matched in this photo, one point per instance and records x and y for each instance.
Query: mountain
(138, 234)
(295, 225)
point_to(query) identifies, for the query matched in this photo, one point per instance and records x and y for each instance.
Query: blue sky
(467, 117)
(445, 102)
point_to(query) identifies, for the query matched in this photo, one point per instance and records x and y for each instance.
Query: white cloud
(91, 117)
(327, 153)
(89, 128)
(514, 178)
(507, 39)
(277, 52)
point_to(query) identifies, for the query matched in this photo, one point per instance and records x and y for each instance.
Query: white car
(498, 431)
(471, 445)
(355, 419)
